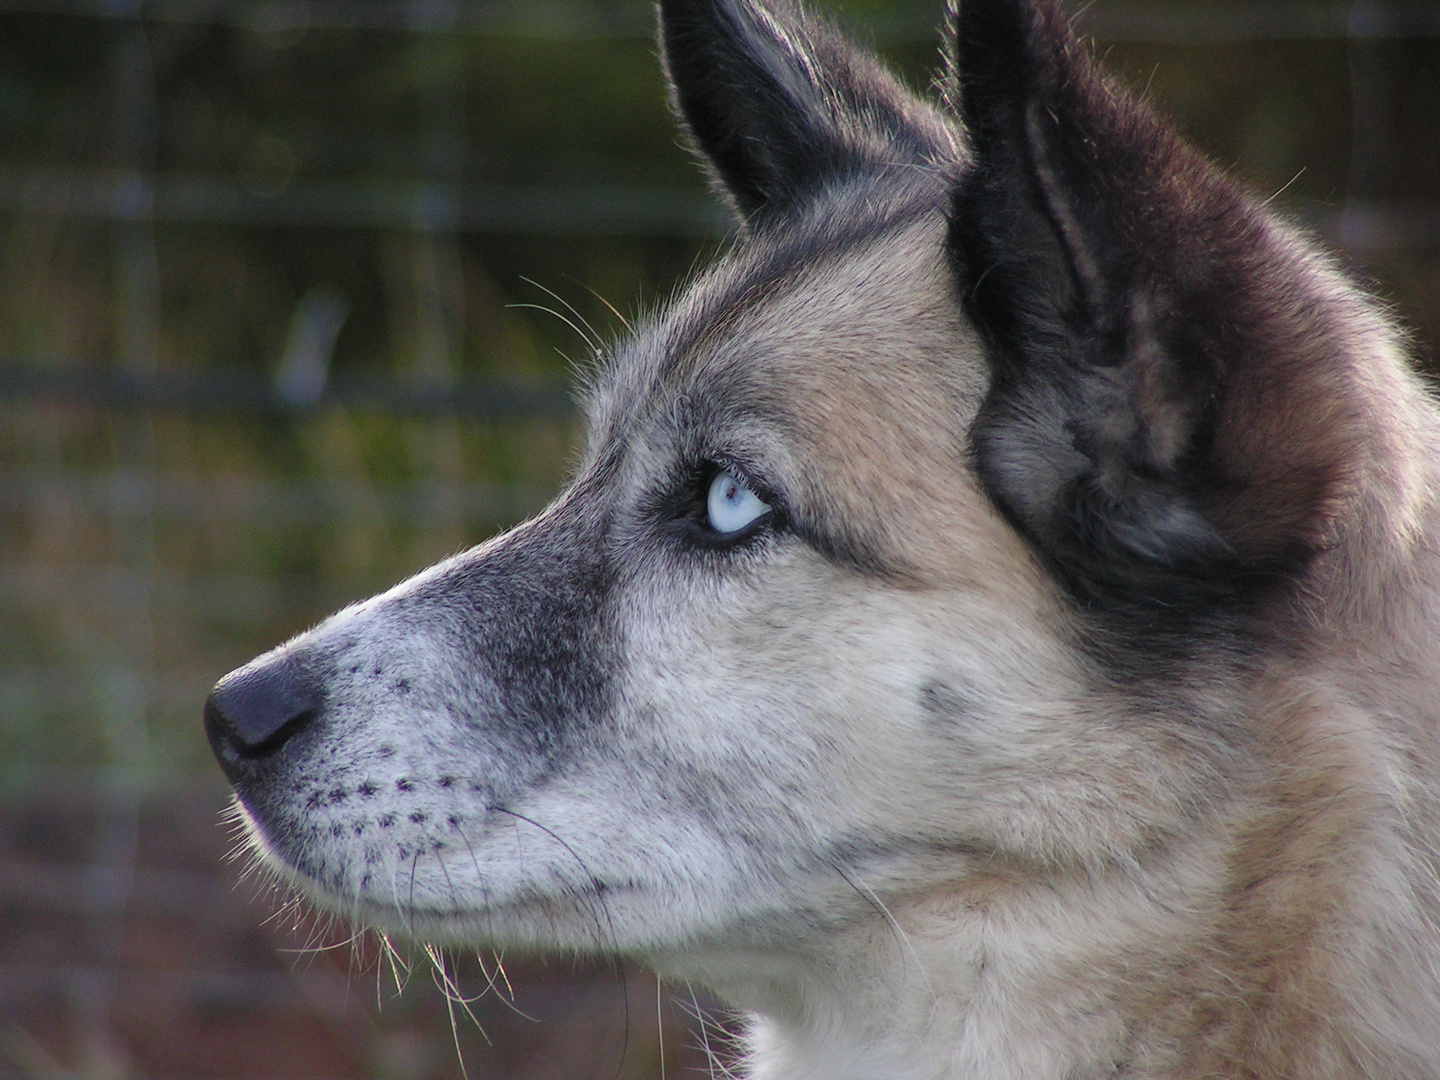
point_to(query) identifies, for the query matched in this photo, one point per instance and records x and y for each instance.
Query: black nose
(257, 709)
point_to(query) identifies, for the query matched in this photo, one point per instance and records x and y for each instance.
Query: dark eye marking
(718, 505)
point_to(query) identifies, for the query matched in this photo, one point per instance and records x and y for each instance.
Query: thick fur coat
(994, 630)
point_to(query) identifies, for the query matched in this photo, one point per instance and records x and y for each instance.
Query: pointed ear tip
(1011, 43)
(1027, 19)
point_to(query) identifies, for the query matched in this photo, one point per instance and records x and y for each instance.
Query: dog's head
(921, 542)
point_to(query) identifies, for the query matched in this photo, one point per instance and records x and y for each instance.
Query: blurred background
(272, 280)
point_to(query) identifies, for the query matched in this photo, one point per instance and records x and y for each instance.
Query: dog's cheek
(712, 751)
(954, 719)
(780, 711)
(791, 716)
(1040, 763)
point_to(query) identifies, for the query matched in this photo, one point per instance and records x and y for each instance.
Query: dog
(993, 631)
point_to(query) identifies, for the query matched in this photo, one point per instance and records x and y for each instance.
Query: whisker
(551, 311)
(613, 309)
(592, 337)
(506, 996)
(597, 888)
(448, 986)
(897, 931)
(660, 1023)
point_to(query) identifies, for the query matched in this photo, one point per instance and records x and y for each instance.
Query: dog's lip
(426, 918)
(459, 925)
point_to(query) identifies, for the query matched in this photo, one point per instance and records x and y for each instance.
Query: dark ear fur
(780, 105)
(1166, 422)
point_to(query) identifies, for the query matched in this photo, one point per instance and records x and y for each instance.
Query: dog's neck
(1003, 981)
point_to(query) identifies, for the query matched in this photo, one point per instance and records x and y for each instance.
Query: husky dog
(994, 630)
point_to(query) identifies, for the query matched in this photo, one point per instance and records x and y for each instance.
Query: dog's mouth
(429, 888)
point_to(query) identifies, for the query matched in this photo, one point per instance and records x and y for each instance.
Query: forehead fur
(834, 361)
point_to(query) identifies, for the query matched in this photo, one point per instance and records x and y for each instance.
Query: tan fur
(1228, 873)
(890, 772)
(1242, 941)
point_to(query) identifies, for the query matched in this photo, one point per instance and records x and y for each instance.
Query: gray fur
(1073, 710)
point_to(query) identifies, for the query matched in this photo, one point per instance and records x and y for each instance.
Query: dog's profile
(994, 630)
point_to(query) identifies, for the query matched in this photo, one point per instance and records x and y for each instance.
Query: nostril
(256, 710)
(226, 741)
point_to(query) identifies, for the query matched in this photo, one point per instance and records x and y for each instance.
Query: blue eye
(730, 505)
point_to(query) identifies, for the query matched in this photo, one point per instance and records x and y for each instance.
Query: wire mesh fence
(269, 341)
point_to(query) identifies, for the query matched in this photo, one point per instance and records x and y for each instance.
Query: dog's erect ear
(780, 105)
(1165, 422)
